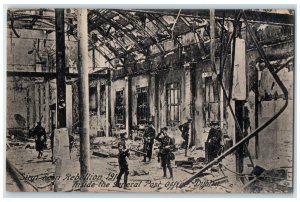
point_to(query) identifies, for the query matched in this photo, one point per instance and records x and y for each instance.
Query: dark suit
(149, 136)
(214, 143)
(184, 128)
(166, 143)
(40, 138)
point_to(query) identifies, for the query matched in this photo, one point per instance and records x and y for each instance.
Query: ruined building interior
(234, 67)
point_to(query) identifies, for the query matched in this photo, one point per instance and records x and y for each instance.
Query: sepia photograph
(150, 100)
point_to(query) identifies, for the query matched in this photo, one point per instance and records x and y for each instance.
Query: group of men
(165, 155)
(166, 146)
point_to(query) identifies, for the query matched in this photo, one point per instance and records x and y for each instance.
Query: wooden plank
(100, 154)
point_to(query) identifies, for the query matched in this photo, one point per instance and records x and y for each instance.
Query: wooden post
(256, 113)
(212, 38)
(83, 94)
(60, 68)
(213, 44)
(221, 109)
(192, 108)
(239, 136)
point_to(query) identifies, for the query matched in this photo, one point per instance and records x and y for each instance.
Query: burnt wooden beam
(60, 67)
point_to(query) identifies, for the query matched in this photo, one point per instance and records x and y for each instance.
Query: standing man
(185, 128)
(149, 136)
(167, 144)
(40, 139)
(122, 158)
(214, 141)
(159, 137)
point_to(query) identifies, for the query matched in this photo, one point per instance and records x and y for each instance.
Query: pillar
(60, 67)
(47, 108)
(153, 108)
(189, 99)
(128, 111)
(83, 95)
(98, 105)
(69, 107)
(36, 102)
(108, 107)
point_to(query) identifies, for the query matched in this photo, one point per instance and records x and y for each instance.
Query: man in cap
(122, 159)
(214, 141)
(149, 136)
(167, 144)
(159, 137)
(185, 128)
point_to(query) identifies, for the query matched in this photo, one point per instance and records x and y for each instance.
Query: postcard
(150, 100)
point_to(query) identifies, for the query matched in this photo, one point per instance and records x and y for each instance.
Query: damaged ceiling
(147, 37)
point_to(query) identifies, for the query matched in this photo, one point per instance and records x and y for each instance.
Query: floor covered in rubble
(38, 174)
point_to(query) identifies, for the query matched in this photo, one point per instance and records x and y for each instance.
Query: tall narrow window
(142, 105)
(102, 100)
(211, 100)
(120, 108)
(93, 99)
(173, 103)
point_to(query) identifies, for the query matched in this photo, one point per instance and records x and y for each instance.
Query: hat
(214, 123)
(150, 122)
(164, 128)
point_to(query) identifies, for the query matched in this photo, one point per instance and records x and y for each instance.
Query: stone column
(187, 90)
(152, 93)
(108, 107)
(69, 106)
(98, 105)
(128, 111)
(188, 99)
(47, 108)
(36, 101)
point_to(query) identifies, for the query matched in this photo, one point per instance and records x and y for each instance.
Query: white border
(142, 4)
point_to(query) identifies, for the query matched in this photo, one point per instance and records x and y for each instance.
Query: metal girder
(104, 55)
(254, 16)
(120, 28)
(108, 46)
(135, 23)
(111, 37)
(50, 75)
(164, 24)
